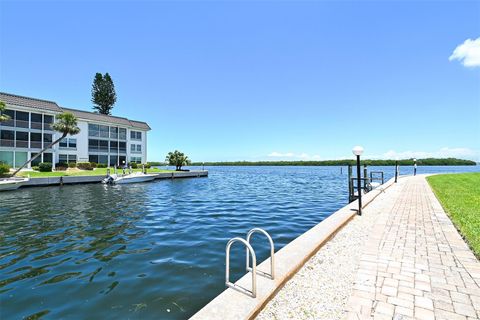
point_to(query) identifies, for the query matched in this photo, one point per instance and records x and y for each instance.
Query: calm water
(153, 250)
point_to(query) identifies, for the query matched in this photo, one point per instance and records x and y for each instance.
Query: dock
(51, 181)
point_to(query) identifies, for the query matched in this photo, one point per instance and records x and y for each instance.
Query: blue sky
(261, 80)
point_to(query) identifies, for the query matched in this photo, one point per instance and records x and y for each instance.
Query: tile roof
(53, 106)
(29, 102)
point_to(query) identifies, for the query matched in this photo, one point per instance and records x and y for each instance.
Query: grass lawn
(459, 195)
(95, 172)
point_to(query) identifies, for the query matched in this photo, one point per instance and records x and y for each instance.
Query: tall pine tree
(103, 93)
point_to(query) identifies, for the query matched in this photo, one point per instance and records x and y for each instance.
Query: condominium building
(103, 139)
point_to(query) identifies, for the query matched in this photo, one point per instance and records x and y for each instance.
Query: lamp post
(415, 167)
(357, 151)
(396, 171)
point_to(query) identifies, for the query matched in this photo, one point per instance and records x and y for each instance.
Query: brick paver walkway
(415, 265)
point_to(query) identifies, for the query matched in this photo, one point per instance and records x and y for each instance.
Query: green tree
(3, 116)
(103, 93)
(66, 124)
(177, 159)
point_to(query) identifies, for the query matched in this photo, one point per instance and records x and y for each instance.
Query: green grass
(96, 172)
(459, 195)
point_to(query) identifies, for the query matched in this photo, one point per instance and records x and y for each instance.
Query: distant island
(345, 162)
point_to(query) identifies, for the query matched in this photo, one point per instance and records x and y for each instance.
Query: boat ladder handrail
(253, 292)
(272, 253)
(253, 268)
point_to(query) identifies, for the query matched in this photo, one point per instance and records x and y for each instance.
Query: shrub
(72, 164)
(35, 168)
(45, 167)
(84, 166)
(61, 166)
(134, 165)
(101, 165)
(147, 165)
(93, 164)
(4, 168)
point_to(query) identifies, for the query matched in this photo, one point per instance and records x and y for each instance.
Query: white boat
(129, 178)
(12, 183)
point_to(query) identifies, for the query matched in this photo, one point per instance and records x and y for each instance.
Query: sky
(261, 80)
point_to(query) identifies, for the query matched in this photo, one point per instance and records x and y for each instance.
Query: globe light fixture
(358, 151)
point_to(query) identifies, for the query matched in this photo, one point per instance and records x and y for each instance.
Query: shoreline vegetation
(459, 195)
(344, 162)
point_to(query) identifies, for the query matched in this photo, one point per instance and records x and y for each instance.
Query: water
(153, 250)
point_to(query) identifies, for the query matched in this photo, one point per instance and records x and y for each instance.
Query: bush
(35, 168)
(60, 166)
(45, 167)
(72, 164)
(4, 168)
(93, 164)
(101, 165)
(84, 166)
(147, 165)
(134, 165)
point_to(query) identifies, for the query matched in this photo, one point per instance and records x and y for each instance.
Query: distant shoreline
(345, 162)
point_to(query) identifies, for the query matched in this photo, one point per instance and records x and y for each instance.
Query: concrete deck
(415, 265)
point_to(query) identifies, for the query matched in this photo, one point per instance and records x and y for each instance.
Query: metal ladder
(253, 268)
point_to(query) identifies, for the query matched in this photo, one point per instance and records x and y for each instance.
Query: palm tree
(66, 124)
(3, 117)
(177, 159)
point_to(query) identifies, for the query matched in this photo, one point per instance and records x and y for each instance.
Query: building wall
(81, 151)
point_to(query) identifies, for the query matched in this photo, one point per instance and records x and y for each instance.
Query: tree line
(344, 162)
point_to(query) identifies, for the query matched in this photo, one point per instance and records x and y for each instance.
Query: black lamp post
(357, 151)
(414, 167)
(396, 171)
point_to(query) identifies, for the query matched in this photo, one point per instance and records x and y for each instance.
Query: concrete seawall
(38, 182)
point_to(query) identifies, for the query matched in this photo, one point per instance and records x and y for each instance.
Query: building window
(37, 160)
(113, 133)
(47, 157)
(70, 143)
(113, 147)
(21, 119)
(122, 147)
(104, 133)
(67, 158)
(122, 133)
(47, 139)
(136, 159)
(36, 121)
(11, 115)
(93, 146)
(20, 158)
(135, 135)
(93, 130)
(6, 157)
(136, 148)
(103, 145)
(35, 140)
(7, 138)
(21, 139)
(47, 122)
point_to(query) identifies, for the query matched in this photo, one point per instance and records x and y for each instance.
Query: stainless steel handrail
(234, 286)
(272, 253)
